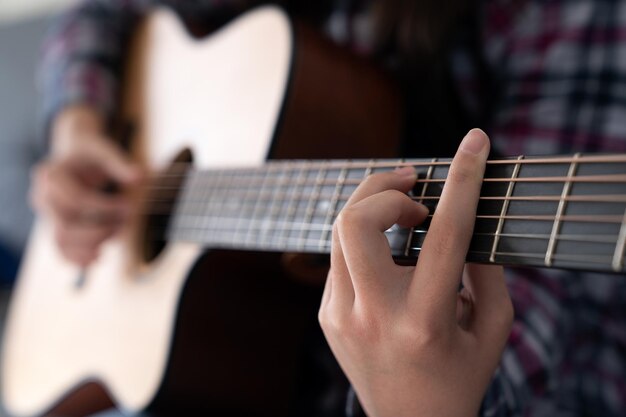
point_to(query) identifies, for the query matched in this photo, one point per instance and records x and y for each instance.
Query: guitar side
(157, 334)
(116, 327)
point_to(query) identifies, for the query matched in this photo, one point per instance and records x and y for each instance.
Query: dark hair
(415, 37)
(416, 29)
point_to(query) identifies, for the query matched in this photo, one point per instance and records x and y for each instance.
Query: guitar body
(190, 332)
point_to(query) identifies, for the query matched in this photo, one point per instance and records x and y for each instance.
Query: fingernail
(474, 142)
(406, 171)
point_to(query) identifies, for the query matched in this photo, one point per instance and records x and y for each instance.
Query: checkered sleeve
(558, 85)
(82, 54)
(559, 74)
(83, 51)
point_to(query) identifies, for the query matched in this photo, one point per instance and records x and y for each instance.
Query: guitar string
(319, 227)
(284, 197)
(165, 206)
(221, 226)
(395, 163)
(253, 180)
(243, 185)
(314, 245)
(582, 218)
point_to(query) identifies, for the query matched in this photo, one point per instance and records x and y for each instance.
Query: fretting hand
(409, 341)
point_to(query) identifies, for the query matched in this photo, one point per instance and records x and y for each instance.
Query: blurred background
(22, 26)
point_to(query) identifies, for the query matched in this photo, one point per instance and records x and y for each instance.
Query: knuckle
(331, 322)
(349, 219)
(367, 327)
(427, 338)
(462, 174)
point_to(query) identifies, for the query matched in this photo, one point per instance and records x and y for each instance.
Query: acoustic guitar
(224, 124)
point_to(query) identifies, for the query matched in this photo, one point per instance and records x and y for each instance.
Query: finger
(70, 200)
(79, 255)
(402, 179)
(109, 157)
(85, 235)
(366, 248)
(492, 310)
(339, 287)
(443, 253)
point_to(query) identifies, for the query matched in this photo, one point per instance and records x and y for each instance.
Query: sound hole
(161, 198)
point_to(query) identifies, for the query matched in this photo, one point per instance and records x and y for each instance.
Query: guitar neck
(564, 212)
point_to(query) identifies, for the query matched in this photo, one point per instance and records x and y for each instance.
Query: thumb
(113, 161)
(492, 310)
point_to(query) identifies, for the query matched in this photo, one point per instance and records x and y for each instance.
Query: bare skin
(68, 187)
(410, 343)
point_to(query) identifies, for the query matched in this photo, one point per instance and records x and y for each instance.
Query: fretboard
(563, 212)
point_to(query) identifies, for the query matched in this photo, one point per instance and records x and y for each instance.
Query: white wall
(12, 10)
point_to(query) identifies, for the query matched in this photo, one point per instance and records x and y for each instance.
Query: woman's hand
(411, 344)
(69, 186)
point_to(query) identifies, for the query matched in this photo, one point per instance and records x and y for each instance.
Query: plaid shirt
(549, 77)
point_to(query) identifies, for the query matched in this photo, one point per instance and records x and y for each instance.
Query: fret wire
(332, 208)
(247, 196)
(206, 192)
(224, 203)
(310, 210)
(368, 170)
(505, 208)
(179, 206)
(559, 212)
(203, 183)
(620, 247)
(217, 202)
(192, 211)
(429, 175)
(296, 195)
(256, 202)
(271, 211)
